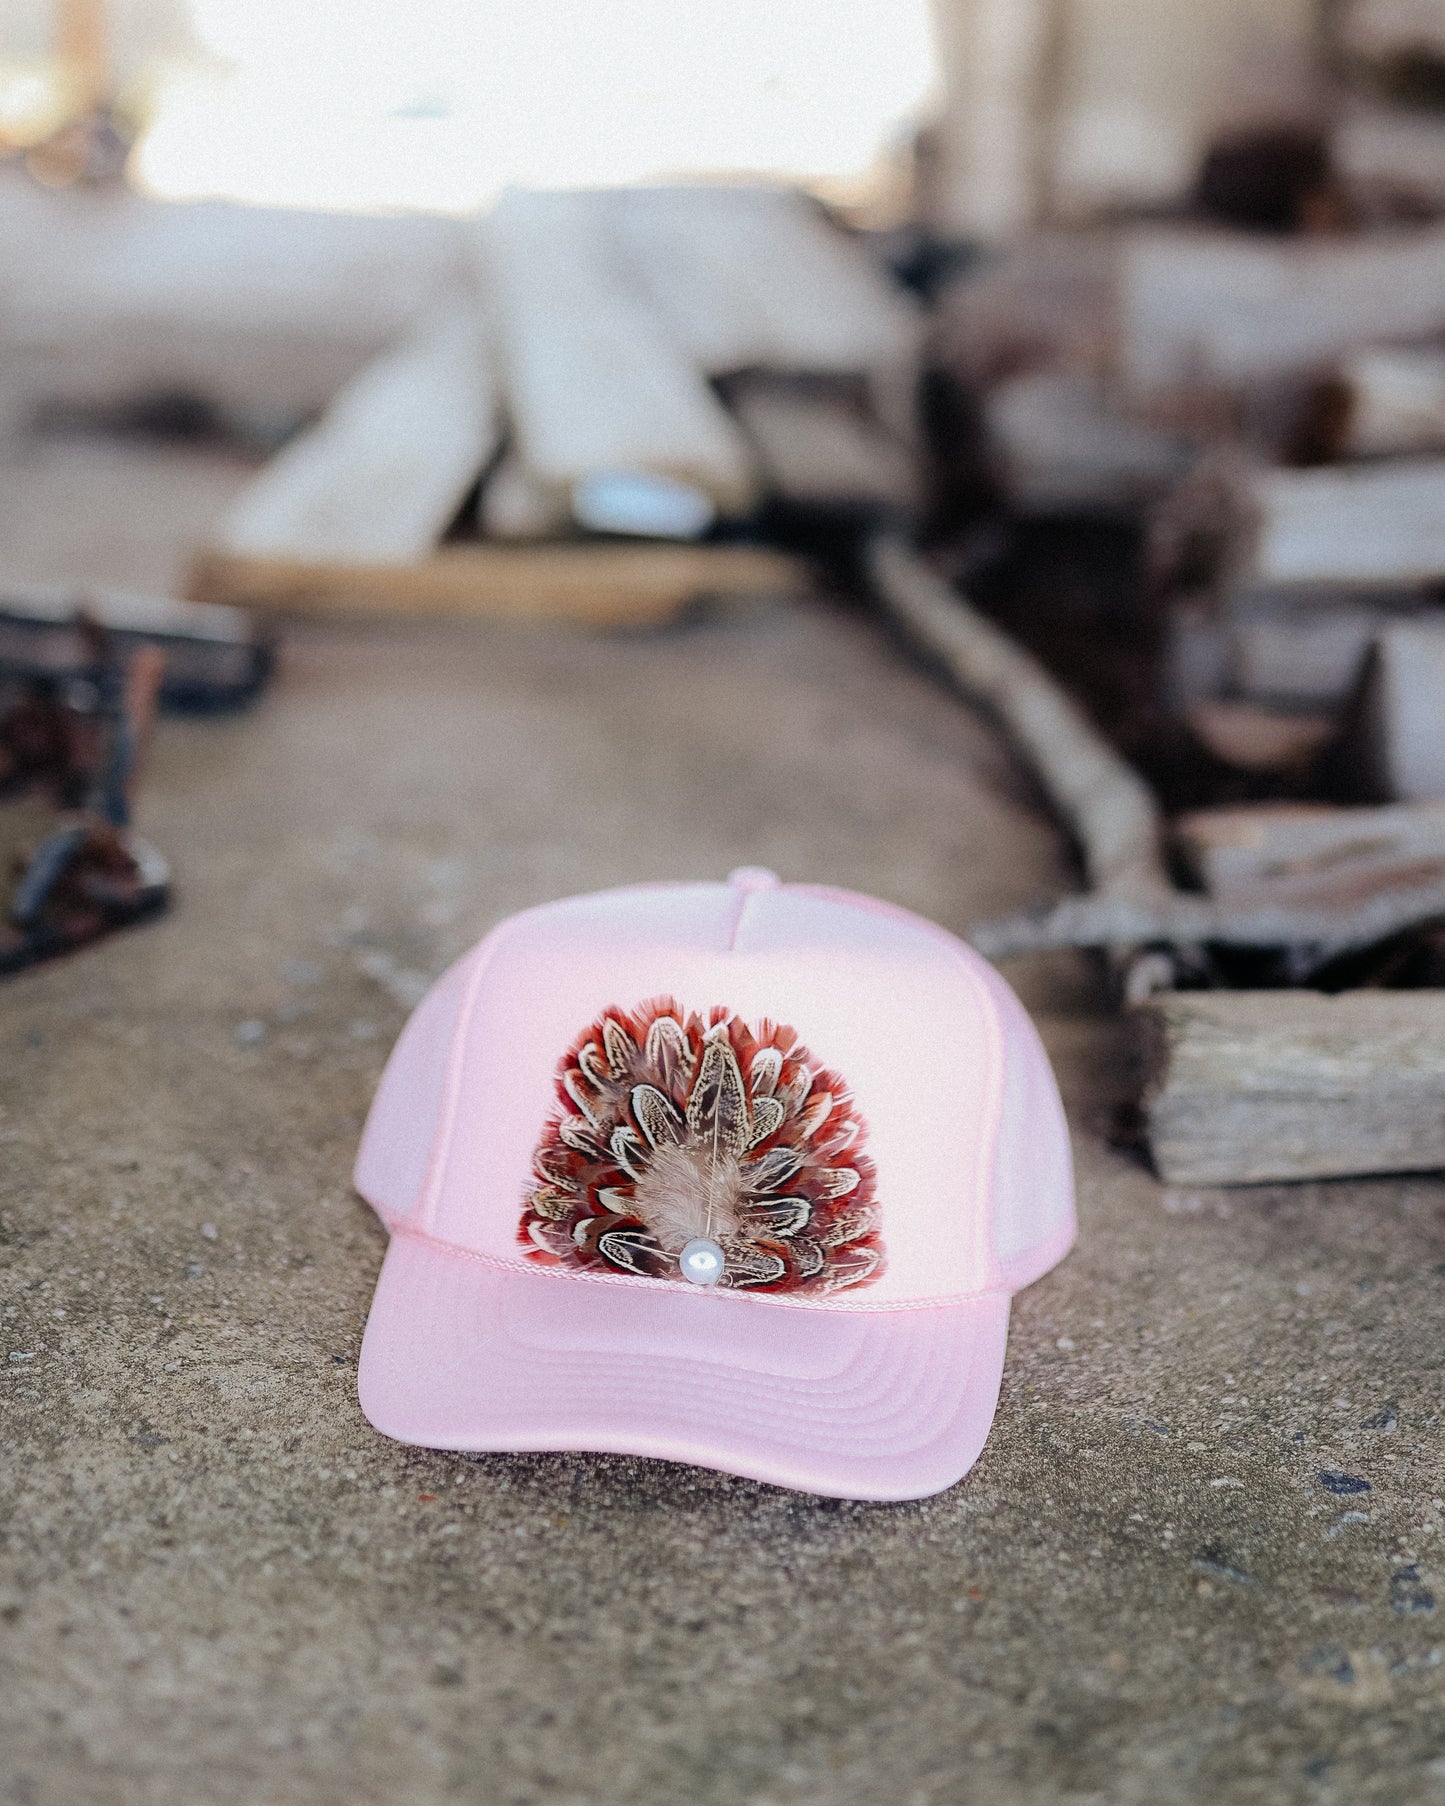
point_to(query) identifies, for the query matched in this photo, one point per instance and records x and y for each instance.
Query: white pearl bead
(702, 1261)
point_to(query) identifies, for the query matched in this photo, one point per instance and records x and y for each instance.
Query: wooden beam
(1336, 534)
(380, 477)
(1396, 400)
(1242, 1087)
(759, 278)
(1185, 919)
(604, 585)
(1372, 524)
(1204, 308)
(594, 381)
(1311, 854)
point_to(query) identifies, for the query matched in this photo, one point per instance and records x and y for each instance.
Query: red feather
(670, 1126)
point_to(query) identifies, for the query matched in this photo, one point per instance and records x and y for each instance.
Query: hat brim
(879, 1403)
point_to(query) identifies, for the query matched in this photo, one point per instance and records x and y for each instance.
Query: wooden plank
(601, 584)
(384, 471)
(594, 380)
(1396, 744)
(1317, 932)
(1059, 445)
(1366, 526)
(1217, 308)
(1242, 1087)
(1372, 525)
(819, 447)
(759, 278)
(1395, 398)
(1397, 153)
(1310, 853)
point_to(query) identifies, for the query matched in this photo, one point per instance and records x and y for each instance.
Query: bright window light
(437, 104)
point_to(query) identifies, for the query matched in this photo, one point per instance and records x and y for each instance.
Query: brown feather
(657, 1111)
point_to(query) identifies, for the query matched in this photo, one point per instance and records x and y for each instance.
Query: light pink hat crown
(738, 1174)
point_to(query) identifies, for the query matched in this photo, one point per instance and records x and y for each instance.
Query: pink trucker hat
(738, 1174)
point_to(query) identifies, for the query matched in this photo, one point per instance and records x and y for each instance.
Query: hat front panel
(906, 1029)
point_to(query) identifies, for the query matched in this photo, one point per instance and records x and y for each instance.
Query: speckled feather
(670, 1126)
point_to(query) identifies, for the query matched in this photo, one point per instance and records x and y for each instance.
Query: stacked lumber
(1300, 557)
(1320, 602)
(1275, 408)
(575, 387)
(1379, 526)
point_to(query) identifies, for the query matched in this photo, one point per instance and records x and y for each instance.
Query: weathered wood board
(604, 585)
(1397, 742)
(378, 479)
(1311, 853)
(1244, 1087)
(814, 447)
(1215, 308)
(595, 382)
(1396, 400)
(749, 277)
(1361, 525)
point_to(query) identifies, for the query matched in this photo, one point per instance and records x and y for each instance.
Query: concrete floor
(1198, 1561)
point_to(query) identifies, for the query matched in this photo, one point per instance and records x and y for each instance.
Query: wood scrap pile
(1270, 412)
(621, 367)
(1303, 577)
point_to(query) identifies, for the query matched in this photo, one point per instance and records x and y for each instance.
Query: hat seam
(431, 1184)
(1022, 1270)
(501, 1263)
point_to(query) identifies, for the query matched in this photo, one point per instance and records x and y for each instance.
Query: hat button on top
(754, 877)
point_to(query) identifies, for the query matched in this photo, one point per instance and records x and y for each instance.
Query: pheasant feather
(670, 1128)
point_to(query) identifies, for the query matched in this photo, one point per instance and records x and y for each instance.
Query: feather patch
(670, 1125)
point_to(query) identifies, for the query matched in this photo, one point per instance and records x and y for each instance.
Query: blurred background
(986, 454)
(1117, 327)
